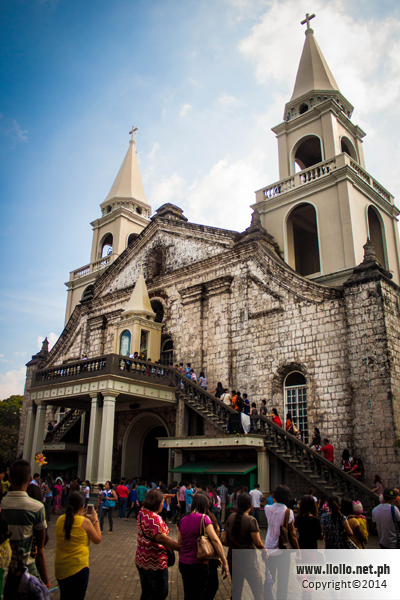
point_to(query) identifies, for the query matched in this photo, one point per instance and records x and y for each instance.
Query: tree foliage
(10, 417)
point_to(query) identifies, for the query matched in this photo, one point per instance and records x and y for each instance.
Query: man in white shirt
(385, 516)
(256, 496)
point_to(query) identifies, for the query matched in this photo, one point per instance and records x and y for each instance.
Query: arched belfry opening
(106, 245)
(376, 235)
(302, 240)
(348, 148)
(131, 238)
(307, 152)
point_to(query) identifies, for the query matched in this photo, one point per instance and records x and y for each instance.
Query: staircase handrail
(285, 442)
(67, 417)
(297, 448)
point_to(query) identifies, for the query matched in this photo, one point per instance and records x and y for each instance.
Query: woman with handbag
(336, 526)
(153, 544)
(280, 530)
(109, 499)
(243, 533)
(198, 540)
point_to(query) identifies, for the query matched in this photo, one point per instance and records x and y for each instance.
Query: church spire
(128, 183)
(314, 80)
(313, 72)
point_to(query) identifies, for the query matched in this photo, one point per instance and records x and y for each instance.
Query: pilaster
(263, 470)
(107, 437)
(29, 431)
(92, 459)
(38, 433)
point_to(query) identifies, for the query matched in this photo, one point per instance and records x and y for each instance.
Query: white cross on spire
(132, 133)
(307, 20)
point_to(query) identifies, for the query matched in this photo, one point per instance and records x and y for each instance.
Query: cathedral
(301, 308)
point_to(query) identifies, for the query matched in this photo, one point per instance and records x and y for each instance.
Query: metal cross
(134, 130)
(307, 20)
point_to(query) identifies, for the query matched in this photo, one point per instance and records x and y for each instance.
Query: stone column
(81, 466)
(38, 433)
(92, 460)
(82, 431)
(30, 427)
(263, 470)
(107, 437)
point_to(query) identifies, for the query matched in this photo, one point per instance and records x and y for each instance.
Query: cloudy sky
(204, 81)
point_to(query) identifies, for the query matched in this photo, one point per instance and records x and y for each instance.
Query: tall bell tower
(325, 205)
(125, 213)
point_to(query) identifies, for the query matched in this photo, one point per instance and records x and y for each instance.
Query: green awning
(215, 468)
(59, 466)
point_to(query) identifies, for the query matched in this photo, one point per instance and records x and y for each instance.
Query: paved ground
(112, 565)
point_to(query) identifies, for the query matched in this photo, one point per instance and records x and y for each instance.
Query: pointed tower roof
(139, 302)
(128, 182)
(313, 72)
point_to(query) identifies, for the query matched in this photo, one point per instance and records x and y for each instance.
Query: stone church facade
(299, 309)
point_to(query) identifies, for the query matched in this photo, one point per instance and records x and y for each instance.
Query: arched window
(132, 237)
(167, 353)
(376, 234)
(106, 246)
(348, 148)
(308, 152)
(158, 308)
(125, 343)
(302, 238)
(156, 263)
(295, 394)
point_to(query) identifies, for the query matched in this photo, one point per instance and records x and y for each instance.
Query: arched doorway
(141, 456)
(154, 459)
(302, 240)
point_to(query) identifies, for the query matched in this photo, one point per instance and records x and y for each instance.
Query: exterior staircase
(319, 472)
(68, 421)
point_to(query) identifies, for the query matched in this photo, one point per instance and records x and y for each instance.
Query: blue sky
(204, 81)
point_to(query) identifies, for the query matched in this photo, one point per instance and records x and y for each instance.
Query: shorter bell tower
(325, 205)
(124, 214)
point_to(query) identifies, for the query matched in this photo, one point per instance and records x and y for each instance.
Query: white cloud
(226, 100)
(223, 196)
(168, 189)
(20, 353)
(1, 355)
(17, 133)
(12, 383)
(52, 338)
(366, 66)
(186, 108)
(154, 149)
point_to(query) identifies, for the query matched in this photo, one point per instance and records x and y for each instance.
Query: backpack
(240, 403)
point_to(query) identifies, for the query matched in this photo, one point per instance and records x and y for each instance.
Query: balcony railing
(93, 267)
(319, 171)
(111, 364)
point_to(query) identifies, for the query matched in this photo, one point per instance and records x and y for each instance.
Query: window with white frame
(295, 393)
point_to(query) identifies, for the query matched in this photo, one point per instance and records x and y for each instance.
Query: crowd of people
(209, 513)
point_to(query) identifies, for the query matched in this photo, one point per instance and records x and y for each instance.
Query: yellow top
(71, 555)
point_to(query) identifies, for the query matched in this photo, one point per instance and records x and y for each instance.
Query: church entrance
(141, 456)
(154, 459)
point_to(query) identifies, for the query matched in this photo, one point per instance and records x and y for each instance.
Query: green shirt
(141, 492)
(24, 516)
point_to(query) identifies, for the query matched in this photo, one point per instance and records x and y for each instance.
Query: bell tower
(325, 204)
(125, 213)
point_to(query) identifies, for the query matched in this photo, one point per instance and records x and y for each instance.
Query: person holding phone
(73, 533)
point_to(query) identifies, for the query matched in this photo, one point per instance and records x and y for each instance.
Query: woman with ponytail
(74, 531)
(335, 525)
(244, 534)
